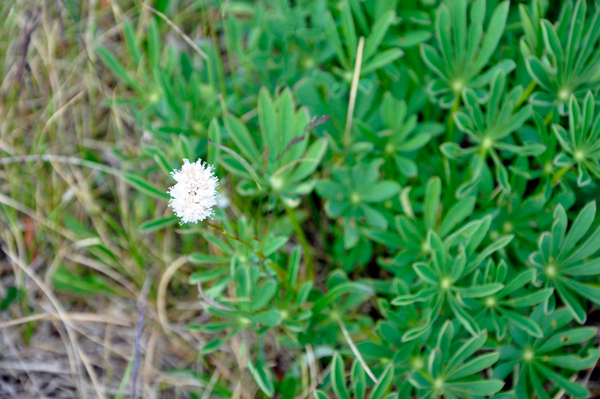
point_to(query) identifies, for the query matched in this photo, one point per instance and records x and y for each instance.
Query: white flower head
(195, 194)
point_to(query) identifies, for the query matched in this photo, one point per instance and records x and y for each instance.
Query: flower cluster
(195, 194)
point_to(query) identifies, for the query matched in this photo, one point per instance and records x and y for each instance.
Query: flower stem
(526, 93)
(310, 268)
(228, 234)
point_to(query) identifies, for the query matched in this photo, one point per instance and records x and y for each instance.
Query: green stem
(526, 93)
(228, 234)
(450, 133)
(548, 118)
(310, 268)
(558, 175)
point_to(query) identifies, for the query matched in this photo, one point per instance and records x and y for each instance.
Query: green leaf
(579, 227)
(380, 60)
(420, 296)
(381, 191)
(525, 277)
(241, 161)
(432, 59)
(270, 318)
(458, 213)
(359, 380)
(211, 346)
(530, 299)
(115, 66)
(573, 388)
(145, 187)
(241, 137)
(214, 135)
(538, 73)
(158, 224)
(384, 383)
(570, 337)
(266, 121)
(341, 289)
(262, 376)
(467, 350)
(413, 38)
(203, 259)
(490, 249)
(478, 388)
(552, 42)
(320, 395)
(475, 366)
(154, 45)
(480, 290)
(571, 302)
(574, 362)
(338, 379)
(132, 46)
(426, 273)
(334, 40)
(433, 191)
(311, 160)
(492, 36)
(464, 317)
(67, 281)
(523, 322)
(377, 33)
(349, 32)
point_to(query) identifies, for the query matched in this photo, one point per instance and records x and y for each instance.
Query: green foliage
(488, 133)
(545, 359)
(464, 49)
(570, 65)
(581, 145)
(416, 222)
(562, 256)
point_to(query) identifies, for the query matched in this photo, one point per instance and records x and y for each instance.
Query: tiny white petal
(195, 193)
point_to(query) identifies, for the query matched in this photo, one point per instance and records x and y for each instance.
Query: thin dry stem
(353, 91)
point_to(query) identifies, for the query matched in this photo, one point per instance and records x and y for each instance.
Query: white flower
(195, 193)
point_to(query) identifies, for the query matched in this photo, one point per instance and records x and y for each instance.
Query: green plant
(450, 368)
(301, 198)
(464, 50)
(581, 145)
(489, 132)
(563, 256)
(350, 194)
(543, 359)
(570, 66)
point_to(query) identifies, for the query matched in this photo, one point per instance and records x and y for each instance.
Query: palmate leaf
(539, 360)
(444, 283)
(558, 254)
(572, 62)
(581, 144)
(464, 48)
(490, 131)
(452, 372)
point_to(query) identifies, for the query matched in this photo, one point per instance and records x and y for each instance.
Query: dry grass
(69, 343)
